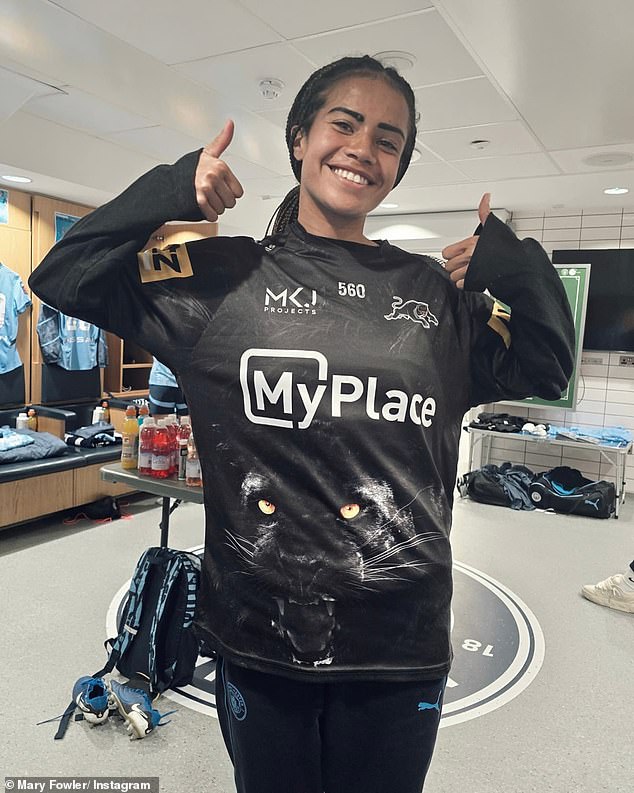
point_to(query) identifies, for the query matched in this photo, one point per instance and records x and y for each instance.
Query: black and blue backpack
(156, 636)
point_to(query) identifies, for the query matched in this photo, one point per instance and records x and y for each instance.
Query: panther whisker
(391, 519)
(412, 542)
(236, 543)
(404, 565)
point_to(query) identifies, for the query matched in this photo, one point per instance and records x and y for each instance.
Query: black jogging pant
(290, 736)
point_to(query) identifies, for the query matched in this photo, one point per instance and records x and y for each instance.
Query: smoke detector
(608, 159)
(270, 88)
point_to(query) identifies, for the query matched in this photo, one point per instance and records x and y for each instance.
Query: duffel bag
(565, 489)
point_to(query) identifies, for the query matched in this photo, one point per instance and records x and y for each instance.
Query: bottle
(144, 412)
(171, 422)
(161, 451)
(22, 421)
(97, 415)
(31, 421)
(106, 410)
(184, 431)
(146, 446)
(193, 476)
(130, 441)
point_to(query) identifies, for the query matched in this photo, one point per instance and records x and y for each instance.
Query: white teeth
(351, 177)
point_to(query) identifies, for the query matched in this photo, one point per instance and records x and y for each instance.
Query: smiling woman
(326, 377)
(350, 156)
(365, 122)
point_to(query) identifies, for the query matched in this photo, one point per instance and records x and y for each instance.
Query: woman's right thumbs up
(217, 188)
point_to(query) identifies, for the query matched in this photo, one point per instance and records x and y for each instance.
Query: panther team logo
(414, 310)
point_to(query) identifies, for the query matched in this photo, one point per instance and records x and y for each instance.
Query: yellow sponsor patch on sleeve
(159, 264)
(497, 322)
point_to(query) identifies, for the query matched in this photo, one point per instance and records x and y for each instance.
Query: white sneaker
(614, 592)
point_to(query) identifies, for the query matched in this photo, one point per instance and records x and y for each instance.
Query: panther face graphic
(308, 557)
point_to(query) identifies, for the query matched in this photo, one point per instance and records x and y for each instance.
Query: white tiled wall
(605, 388)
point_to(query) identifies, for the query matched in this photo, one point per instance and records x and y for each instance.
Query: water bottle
(193, 476)
(98, 414)
(22, 421)
(146, 447)
(171, 422)
(130, 439)
(184, 431)
(144, 412)
(161, 451)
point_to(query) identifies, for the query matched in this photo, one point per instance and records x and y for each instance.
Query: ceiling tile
(512, 167)
(425, 154)
(461, 104)
(238, 74)
(17, 90)
(246, 169)
(165, 144)
(327, 14)
(271, 190)
(510, 137)
(277, 117)
(566, 66)
(572, 160)
(439, 54)
(176, 32)
(80, 110)
(426, 174)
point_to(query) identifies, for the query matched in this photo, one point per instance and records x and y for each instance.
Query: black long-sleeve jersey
(326, 382)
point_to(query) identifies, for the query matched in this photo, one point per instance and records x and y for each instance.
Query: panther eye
(349, 511)
(266, 506)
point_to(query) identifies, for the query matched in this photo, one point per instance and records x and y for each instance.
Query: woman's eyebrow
(361, 118)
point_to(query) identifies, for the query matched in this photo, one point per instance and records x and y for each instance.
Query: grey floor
(569, 730)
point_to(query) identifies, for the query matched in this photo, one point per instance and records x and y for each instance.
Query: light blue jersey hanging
(69, 342)
(13, 301)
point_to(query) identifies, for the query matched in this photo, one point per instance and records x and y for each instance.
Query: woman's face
(351, 154)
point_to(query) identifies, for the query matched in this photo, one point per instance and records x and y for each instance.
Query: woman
(326, 377)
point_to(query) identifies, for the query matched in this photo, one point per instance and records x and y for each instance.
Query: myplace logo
(285, 388)
(285, 301)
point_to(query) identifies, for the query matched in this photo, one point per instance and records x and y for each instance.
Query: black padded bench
(32, 489)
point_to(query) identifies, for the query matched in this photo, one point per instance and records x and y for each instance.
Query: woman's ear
(298, 143)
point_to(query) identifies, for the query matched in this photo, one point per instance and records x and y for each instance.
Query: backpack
(504, 486)
(156, 634)
(565, 489)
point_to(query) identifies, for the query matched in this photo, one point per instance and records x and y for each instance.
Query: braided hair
(310, 100)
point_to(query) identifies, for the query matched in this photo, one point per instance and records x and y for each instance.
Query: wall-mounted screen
(610, 311)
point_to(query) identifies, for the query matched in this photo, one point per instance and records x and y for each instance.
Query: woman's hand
(459, 254)
(216, 186)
